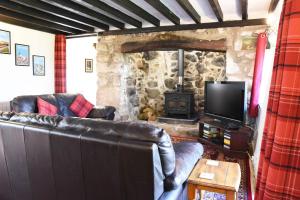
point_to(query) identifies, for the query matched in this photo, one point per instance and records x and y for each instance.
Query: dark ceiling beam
(217, 9)
(189, 9)
(273, 5)
(130, 6)
(86, 12)
(110, 10)
(225, 24)
(17, 22)
(244, 8)
(39, 22)
(61, 13)
(84, 35)
(164, 10)
(45, 16)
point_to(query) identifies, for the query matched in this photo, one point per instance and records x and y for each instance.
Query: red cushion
(81, 107)
(46, 108)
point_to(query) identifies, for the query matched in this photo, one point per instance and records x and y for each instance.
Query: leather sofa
(28, 104)
(59, 158)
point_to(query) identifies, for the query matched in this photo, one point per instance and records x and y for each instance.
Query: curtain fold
(261, 45)
(279, 165)
(60, 64)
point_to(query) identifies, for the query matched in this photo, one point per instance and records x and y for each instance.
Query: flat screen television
(225, 100)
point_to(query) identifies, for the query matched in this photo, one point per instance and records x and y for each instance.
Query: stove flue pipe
(180, 70)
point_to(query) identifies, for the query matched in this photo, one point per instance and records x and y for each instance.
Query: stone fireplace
(138, 78)
(151, 74)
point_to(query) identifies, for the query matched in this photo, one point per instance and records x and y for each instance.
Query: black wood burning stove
(179, 103)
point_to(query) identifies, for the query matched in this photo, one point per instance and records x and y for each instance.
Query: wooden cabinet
(238, 142)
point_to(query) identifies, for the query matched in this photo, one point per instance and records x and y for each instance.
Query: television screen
(225, 99)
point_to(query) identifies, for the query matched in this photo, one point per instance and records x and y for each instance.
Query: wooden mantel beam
(166, 45)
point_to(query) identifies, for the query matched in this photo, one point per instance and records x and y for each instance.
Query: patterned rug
(244, 192)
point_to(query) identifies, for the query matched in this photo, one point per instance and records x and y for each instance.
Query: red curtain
(261, 45)
(60, 64)
(279, 166)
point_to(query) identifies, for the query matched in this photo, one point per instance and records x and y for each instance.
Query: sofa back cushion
(133, 131)
(64, 101)
(27, 103)
(75, 163)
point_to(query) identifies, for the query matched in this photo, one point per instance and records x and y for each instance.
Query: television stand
(232, 139)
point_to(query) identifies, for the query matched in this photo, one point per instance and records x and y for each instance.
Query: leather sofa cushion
(187, 154)
(26, 103)
(136, 131)
(108, 113)
(64, 108)
(64, 101)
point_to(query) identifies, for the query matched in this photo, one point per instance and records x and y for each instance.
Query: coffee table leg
(191, 191)
(230, 195)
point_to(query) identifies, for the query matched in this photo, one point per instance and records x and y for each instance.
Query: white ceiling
(231, 11)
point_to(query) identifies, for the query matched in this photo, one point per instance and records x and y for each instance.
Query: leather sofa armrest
(187, 154)
(108, 113)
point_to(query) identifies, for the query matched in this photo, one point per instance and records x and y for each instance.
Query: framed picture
(89, 65)
(249, 42)
(22, 55)
(5, 46)
(38, 65)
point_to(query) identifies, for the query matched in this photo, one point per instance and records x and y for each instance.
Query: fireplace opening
(179, 103)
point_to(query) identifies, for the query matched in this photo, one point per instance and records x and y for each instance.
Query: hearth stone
(171, 120)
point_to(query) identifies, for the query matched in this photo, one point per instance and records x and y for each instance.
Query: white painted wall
(19, 80)
(78, 81)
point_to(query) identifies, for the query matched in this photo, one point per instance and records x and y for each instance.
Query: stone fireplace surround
(130, 81)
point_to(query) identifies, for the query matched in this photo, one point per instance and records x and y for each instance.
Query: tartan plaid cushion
(46, 108)
(81, 107)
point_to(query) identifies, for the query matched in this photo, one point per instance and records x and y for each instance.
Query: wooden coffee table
(227, 177)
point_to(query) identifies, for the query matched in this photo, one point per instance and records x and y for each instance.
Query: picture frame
(5, 42)
(88, 65)
(249, 42)
(38, 65)
(22, 55)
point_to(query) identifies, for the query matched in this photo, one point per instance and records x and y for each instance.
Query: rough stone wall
(153, 73)
(115, 70)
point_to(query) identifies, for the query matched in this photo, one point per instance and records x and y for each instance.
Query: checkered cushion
(46, 108)
(81, 107)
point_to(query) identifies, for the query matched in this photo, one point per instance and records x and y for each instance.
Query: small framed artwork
(249, 42)
(89, 65)
(38, 65)
(22, 55)
(5, 42)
